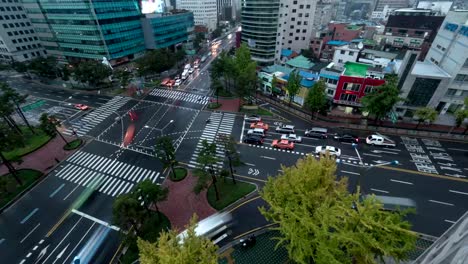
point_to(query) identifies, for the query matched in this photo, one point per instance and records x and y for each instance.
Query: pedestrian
(57, 160)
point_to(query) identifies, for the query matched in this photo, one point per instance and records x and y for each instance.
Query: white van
(256, 131)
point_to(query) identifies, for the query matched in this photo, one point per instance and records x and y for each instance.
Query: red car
(259, 125)
(283, 144)
(81, 107)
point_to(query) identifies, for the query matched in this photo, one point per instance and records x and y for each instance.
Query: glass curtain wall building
(167, 29)
(259, 28)
(79, 29)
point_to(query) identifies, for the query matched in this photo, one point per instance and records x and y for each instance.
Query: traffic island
(32, 142)
(10, 188)
(229, 192)
(73, 144)
(180, 174)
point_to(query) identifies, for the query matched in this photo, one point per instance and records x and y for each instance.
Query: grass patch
(73, 144)
(150, 231)
(259, 111)
(180, 174)
(9, 188)
(228, 193)
(32, 142)
(214, 105)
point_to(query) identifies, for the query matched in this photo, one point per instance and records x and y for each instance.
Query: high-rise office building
(391, 4)
(74, 30)
(225, 10)
(259, 20)
(205, 12)
(18, 40)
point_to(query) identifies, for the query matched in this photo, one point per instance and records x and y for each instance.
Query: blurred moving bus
(211, 227)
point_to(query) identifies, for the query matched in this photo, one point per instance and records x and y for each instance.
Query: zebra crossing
(178, 95)
(116, 177)
(220, 124)
(95, 117)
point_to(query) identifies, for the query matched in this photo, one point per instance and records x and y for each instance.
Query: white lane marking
(74, 189)
(265, 157)
(464, 150)
(372, 155)
(449, 221)
(378, 190)
(79, 242)
(439, 202)
(30, 232)
(94, 219)
(249, 164)
(350, 172)
(404, 182)
(458, 192)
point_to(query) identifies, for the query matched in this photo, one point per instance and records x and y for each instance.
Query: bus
(211, 227)
(91, 247)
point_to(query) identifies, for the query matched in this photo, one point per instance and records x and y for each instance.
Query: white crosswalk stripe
(97, 116)
(220, 124)
(178, 95)
(116, 177)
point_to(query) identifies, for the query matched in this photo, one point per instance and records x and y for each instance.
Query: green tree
(165, 152)
(65, 72)
(180, 55)
(12, 96)
(199, 38)
(461, 115)
(231, 153)
(44, 67)
(207, 173)
(91, 72)
(308, 53)
(49, 124)
(316, 100)
(10, 140)
(151, 194)
(381, 101)
(21, 67)
(425, 114)
(320, 222)
(294, 85)
(123, 76)
(274, 83)
(169, 248)
(245, 70)
(155, 61)
(7, 108)
(127, 212)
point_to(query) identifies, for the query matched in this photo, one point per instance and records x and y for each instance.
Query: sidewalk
(359, 123)
(182, 202)
(228, 105)
(43, 159)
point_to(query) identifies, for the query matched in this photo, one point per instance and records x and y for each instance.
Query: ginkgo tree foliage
(321, 222)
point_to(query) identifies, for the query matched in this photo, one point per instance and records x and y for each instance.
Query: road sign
(32, 106)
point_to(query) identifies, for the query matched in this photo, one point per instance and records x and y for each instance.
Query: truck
(377, 139)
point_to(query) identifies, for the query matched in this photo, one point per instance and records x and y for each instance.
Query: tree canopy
(44, 67)
(316, 100)
(155, 61)
(320, 222)
(294, 85)
(381, 101)
(91, 72)
(166, 153)
(168, 249)
(426, 114)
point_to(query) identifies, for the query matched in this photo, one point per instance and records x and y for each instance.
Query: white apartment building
(449, 51)
(295, 25)
(205, 12)
(18, 40)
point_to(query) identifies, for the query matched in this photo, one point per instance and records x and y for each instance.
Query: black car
(253, 139)
(346, 138)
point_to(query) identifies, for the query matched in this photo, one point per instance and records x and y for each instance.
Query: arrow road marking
(250, 171)
(42, 254)
(61, 253)
(257, 172)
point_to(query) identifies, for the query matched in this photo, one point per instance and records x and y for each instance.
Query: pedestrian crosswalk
(116, 177)
(97, 116)
(178, 95)
(220, 124)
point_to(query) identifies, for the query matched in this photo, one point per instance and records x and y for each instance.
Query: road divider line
(2, 240)
(253, 230)
(439, 202)
(250, 178)
(94, 219)
(244, 202)
(68, 195)
(372, 155)
(57, 190)
(404, 182)
(30, 232)
(449, 221)
(464, 150)
(266, 157)
(378, 190)
(29, 215)
(249, 164)
(458, 192)
(350, 172)
(424, 173)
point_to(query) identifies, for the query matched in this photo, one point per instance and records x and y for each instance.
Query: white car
(177, 82)
(285, 129)
(292, 137)
(334, 151)
(252, 118)
(191, 70)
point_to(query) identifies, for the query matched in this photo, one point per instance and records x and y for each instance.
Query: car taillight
(357, 140)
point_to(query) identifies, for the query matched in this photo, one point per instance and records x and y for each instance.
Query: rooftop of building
(380, 54)
(429, 69)
(308, 79)
(319, 66)
(277, 68)
(288, 53)
(355, 69)
(300, 62)
(414, 10)
(337, 43)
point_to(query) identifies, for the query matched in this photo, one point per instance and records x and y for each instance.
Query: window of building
(21, 32)
(461, 78)
(340, 61)
(295, 2)
(351, 87)
(294, 10)
(5, 26)
(20, 8)
(342, 52)
(299, 23)
(18, 16)
(369, 89)
(30, 39)
(290, 41)
(306, 23)
(351, 53)
(422, 91)
(23, 16)
(300, 15)
(10, 34)
(38, 53)
(466, 63)
(332, 81)
(7, 8)
(296, 38)
(308, 6)
(298, 31)
(304, 31)
(14, 8)
(451, 92)
(28, 24)
(20, 40)
(292, 26)
(35, 38)
(11, 25)
(330, 92)
(2, 8)
(290, 34)
(25, 56)
(14, 41)
(348, 97)
(1, 17)
(301, 6)
(306, 15)
(293, 19)
(15, 33)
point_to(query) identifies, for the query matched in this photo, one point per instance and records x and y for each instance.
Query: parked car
(259, 125)
(256, 131)
(380, 140)
(283, 144)
(346, 138)
(253, 139)
(81, 107)
(317, 132)
(286, 129)
(334, 151)
(191, 70)
(252, 118)
(292, 137)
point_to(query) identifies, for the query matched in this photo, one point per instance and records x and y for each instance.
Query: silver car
(334, 151)
(292, 137)
(252, 118)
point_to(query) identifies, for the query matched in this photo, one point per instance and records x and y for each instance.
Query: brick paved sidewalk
(43, 159)
(229, 105)
(182, 202)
